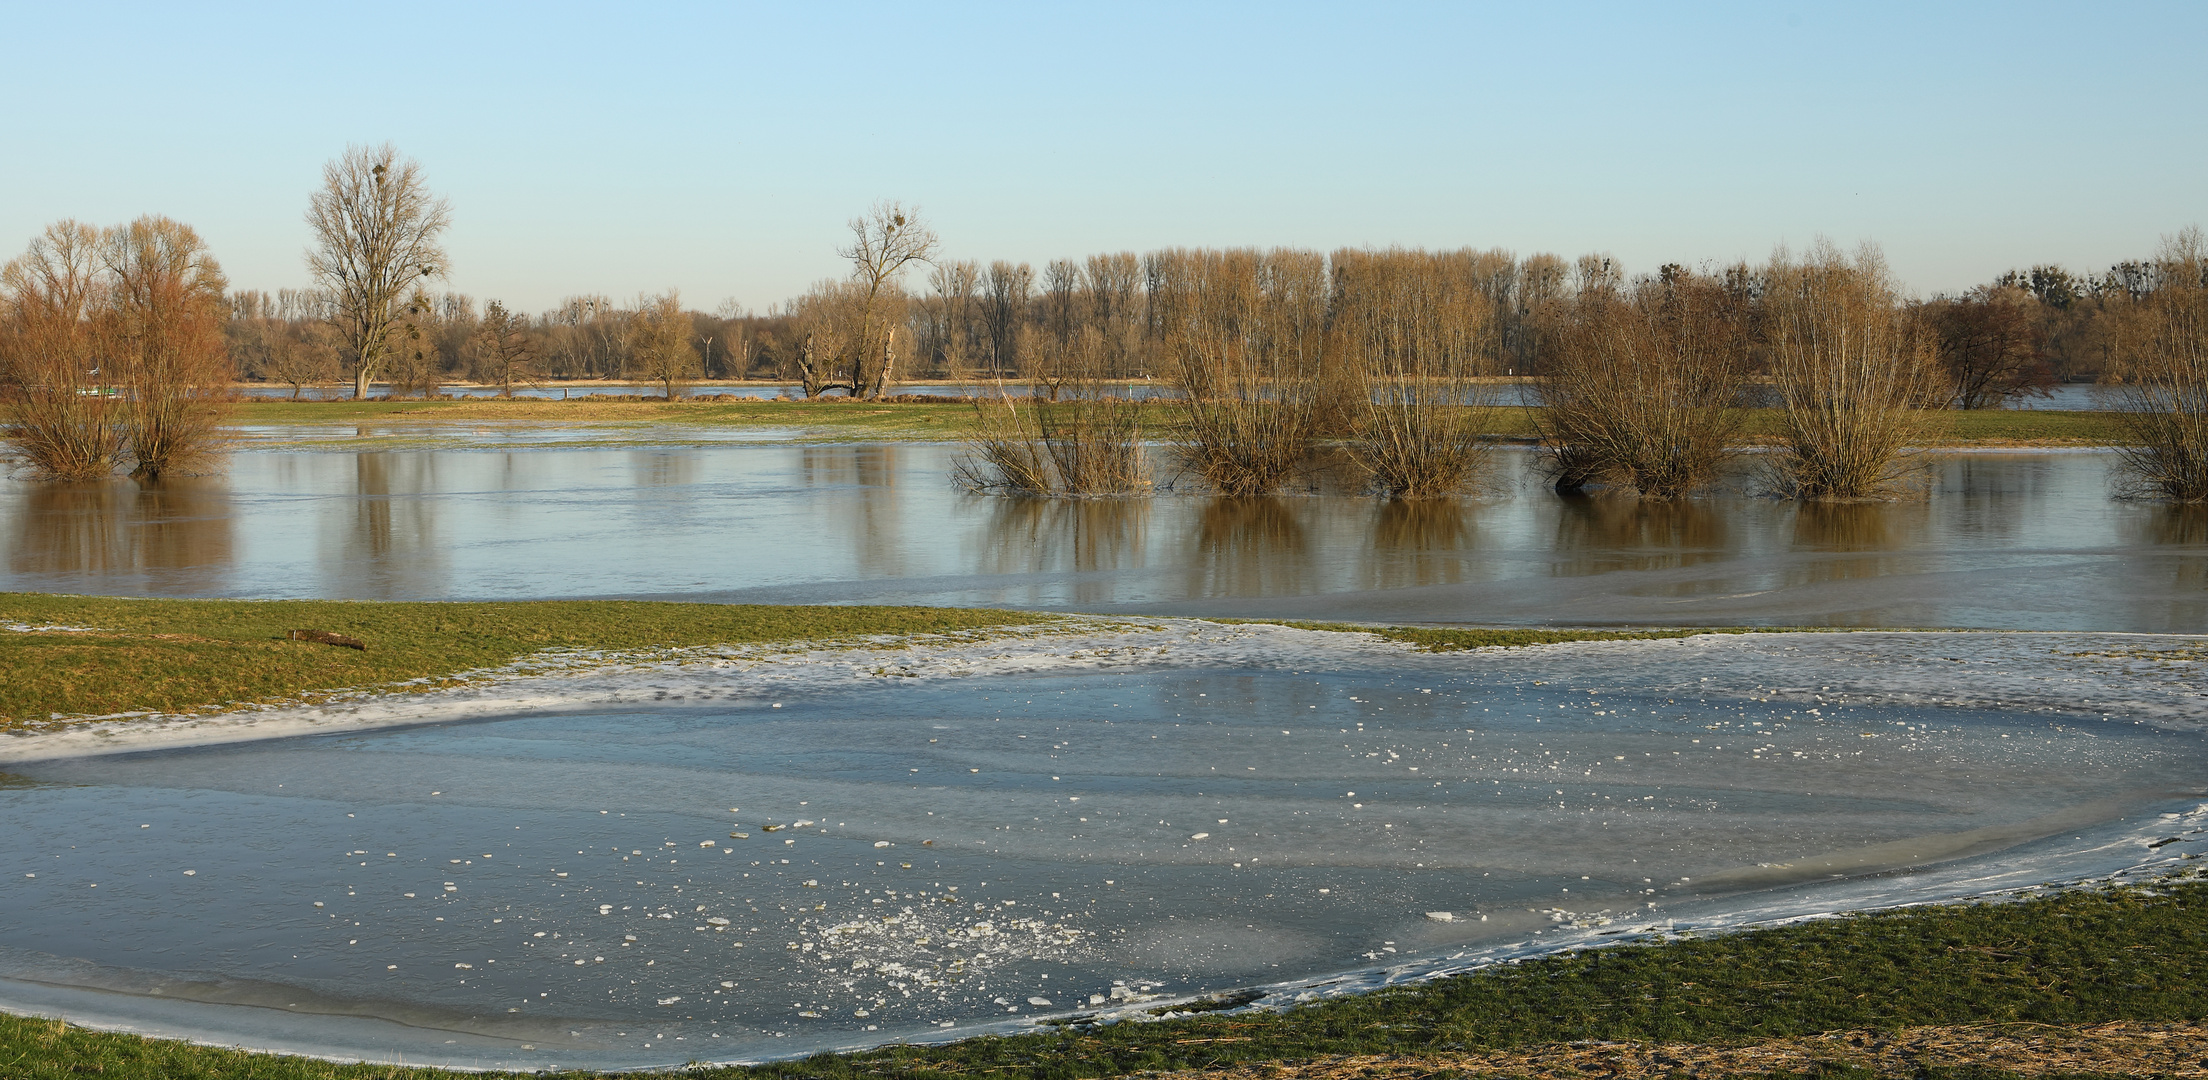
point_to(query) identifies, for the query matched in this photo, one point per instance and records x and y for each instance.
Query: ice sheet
(735, 854)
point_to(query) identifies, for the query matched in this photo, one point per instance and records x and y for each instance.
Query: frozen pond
(2010, 540)
(752, 855)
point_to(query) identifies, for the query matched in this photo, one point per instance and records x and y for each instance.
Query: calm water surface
(2022, 540)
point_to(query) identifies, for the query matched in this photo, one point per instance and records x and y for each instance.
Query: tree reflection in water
(2178, 525)
(1060, 536)
(1249, 547)
(1597, 534)
(1420, 542)
(179, 528)
(1840, 541)
(393, 550)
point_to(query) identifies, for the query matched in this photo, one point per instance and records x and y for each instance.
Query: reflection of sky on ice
(974, 833)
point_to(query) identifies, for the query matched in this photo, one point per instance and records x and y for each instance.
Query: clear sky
(720, 148)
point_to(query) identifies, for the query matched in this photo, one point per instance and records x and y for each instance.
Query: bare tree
(504, 350)
(376, 229)
(112, 349)
(1416, 331)
(663, 351)
(1244, 331)
(1006, 290)
(884, 244)
(2162, 376)
(57, 411)
(1642, 383)
(827, 319)
(1992, 345)
(1852, 370)
(411, 359)
(950, 321)
(164, 336)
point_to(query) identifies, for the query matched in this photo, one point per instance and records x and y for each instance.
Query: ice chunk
(1442, 916)
(1038, 1001)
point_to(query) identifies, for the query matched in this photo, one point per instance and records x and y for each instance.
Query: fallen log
(324, 637)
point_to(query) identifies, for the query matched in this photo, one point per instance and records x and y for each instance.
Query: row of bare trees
(1646, 383)
(112, 353)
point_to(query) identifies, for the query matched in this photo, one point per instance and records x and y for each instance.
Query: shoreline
(2141, 665)
(839, 419)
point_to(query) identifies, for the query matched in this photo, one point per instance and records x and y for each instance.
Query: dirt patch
(2119, 1049)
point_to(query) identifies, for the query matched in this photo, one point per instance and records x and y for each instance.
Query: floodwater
(2029, 541)
(731, 867)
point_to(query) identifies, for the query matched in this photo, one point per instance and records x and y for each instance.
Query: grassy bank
(1831, 994)
(840, 420)
(195, 655)
(126, 655)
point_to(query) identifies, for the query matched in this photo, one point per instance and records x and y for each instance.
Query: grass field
(188, 656)
(200, 655)
(837, 420)
(2088, 982)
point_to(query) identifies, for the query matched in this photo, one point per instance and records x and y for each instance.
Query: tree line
(114, 344)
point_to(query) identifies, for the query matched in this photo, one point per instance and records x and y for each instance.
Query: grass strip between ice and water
(2079, 975)
(71, 658)
(89, 656)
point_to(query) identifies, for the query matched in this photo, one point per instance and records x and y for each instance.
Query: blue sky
(720, 148)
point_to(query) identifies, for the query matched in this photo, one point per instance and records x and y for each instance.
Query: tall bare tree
(1006, 289)
(885, 242)
(376, 229)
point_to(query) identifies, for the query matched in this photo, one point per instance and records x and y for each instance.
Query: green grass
(840, 420)
(195, 655)
(2075, 958)
(187, 656)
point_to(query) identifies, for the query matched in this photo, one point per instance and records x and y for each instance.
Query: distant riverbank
(843, 420)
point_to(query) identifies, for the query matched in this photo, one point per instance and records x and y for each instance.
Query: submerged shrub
(1852, 371)
(112, 351)
(1417, 331)
(1087, 442)
(2163, 368)
(1643, 383)
(1243, 334)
